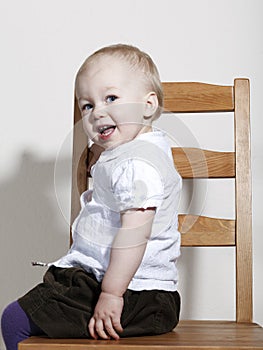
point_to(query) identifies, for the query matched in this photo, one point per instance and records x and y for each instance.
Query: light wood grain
(79, 169)
(197, 97)
(202, 231)
(243, 203)
(188, 335)
(198, 163)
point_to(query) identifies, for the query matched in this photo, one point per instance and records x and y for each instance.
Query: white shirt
(137, 174)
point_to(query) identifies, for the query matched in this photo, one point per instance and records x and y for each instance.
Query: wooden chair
(198, 231)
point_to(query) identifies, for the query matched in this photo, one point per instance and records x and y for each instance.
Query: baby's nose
(99, 112)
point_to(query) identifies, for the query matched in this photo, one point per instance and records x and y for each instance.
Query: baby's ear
(151, 104)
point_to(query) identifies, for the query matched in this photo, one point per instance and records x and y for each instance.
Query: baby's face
(112, 99)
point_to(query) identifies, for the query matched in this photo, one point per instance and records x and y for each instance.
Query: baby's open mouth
(106, 130)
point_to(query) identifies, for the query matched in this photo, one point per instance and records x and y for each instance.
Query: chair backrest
(193, 97)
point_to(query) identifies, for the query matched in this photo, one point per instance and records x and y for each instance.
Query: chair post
(79, 169)
(243, 203)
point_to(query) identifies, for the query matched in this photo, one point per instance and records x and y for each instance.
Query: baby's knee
(7, 315)
(15, 325)
(8, 326)
(14, 320)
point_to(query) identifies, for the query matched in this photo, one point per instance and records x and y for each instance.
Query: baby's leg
(16, 326)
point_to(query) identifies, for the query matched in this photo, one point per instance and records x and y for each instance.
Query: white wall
(42, 45)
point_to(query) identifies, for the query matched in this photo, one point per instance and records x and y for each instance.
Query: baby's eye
(87, 107)
(111, 98)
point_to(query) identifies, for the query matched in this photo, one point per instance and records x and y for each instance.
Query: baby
(119, 277)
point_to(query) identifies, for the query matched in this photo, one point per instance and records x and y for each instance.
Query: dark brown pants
(64, 303)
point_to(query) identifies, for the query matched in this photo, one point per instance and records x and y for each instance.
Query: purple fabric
(16, 326)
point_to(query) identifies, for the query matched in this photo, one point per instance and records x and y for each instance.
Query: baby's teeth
(107, 132)
(102, 129)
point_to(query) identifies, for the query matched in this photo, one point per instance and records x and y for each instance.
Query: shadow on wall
(31, 224)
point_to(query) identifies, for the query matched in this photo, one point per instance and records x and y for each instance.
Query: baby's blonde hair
(138, 60)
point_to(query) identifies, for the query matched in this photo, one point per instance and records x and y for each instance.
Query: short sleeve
(137, 184)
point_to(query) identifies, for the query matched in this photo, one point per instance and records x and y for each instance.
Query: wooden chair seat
(241, 333)
(187, 335)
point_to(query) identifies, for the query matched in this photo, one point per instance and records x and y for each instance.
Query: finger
(110, 329)
(91, 328)
(117, 325)
(99, 327)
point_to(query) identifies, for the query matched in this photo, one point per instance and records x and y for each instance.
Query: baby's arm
(126, 255)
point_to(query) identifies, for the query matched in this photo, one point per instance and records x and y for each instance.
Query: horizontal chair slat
(197, 97)
(190, 163)
(205, 231)
(198, 163)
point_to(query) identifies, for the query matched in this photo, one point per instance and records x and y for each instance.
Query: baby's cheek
(88, 129)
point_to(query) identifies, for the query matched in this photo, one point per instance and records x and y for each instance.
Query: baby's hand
(105, 322)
